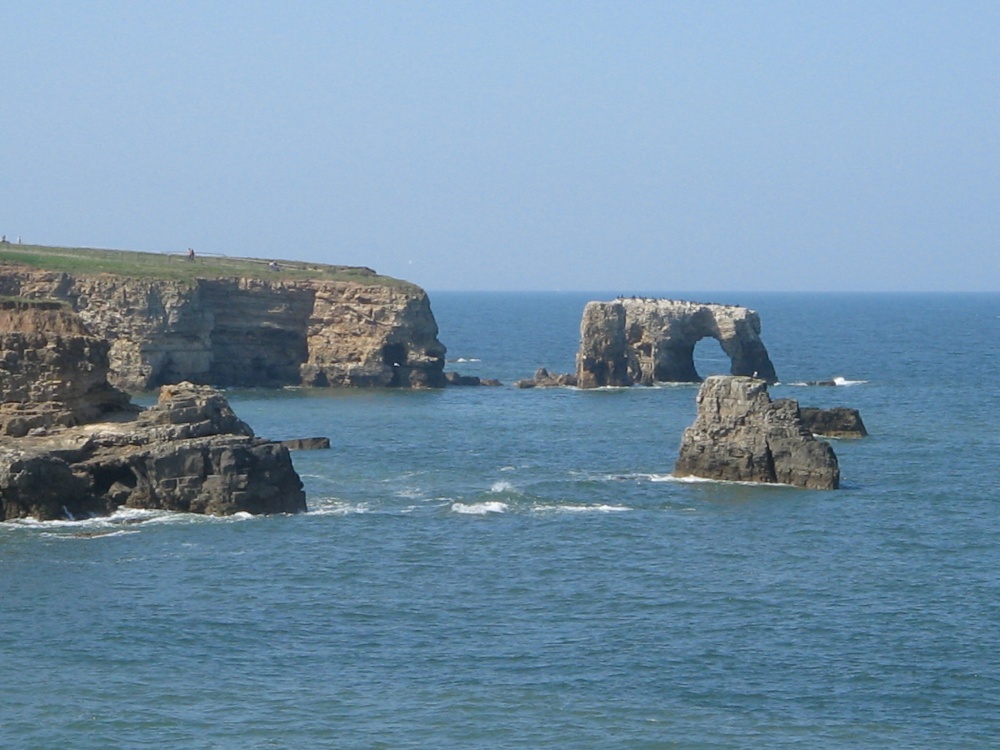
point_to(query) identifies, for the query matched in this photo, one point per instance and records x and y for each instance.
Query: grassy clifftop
(177, 266)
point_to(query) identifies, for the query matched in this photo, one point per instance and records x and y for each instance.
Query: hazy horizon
(772, 146)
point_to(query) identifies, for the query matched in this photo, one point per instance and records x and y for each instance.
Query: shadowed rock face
(643, 341)
(839, 422)
(250, 332)
(740, 435)
(72, 445)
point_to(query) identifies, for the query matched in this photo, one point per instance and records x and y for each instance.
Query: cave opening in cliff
(394, 355)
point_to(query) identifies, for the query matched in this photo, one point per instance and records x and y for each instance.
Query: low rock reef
(642, 341)
(71, 445)
(740, 435)
(838, 422)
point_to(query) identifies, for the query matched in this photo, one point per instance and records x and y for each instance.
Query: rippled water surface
(505, 568)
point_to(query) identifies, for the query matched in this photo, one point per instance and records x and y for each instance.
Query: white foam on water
(582, 509)
(479, 509)
(506, 487)
(838, 381)
(704, 480)
(410, 493)
(330, 507)
(132, 518)
(845, 382)
(462, 360)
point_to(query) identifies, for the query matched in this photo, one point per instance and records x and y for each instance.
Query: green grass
(176, 266)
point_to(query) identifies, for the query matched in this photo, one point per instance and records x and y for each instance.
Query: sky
(575, 146)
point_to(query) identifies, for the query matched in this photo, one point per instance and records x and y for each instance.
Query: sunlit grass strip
(177, 266)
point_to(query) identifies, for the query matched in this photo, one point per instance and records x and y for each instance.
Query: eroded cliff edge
(249, 332)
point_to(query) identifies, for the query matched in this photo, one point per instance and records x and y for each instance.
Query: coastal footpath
(236, 322)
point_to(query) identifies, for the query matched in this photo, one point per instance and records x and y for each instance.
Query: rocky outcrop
(838, 422)
(249, 331)
(544, 379)
(187, 453)
(643, 341)
(454, 378)
(740, 435)
(307, 444)
(52, 371)
(72, 445)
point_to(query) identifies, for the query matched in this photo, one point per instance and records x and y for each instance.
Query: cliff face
(249, 332)
(71, 444)
(52, 371)
(652, 340)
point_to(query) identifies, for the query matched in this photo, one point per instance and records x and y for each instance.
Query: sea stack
(740, 435)
(643, 341)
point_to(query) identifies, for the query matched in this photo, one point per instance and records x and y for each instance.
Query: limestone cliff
(638, 340)
(249, 331)
(740, 435)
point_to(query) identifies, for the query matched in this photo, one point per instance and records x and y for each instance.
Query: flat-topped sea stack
(72, 445)
(643, 341)
(740, 435)
(236, 322)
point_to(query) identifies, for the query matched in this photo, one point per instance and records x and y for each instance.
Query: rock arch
(641, 340)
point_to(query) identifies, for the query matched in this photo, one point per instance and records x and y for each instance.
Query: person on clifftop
(190, 253)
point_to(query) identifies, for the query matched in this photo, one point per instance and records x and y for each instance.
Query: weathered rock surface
(188, 453)
(307, 444)
(72, 445)
(455, 378)
(52, 371)
(741, 435)
(840, 422)
(642, 341)
(544, 379)
(249, 332)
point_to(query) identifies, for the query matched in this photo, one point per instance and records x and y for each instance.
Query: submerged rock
(740, 435)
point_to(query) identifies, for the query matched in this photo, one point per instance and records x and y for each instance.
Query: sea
(497, 567)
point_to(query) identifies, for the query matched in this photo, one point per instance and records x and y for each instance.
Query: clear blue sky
(619, 146)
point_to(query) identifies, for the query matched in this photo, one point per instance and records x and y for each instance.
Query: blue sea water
(505, 568)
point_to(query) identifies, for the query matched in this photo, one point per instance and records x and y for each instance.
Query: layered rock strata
(642, 341)
(249, 332)
(740, 435)
(71, 445)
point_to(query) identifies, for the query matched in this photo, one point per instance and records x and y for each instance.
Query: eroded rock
(839, 422)
(71, 445)
(643, 341)
(249, 332)
(740, 435)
